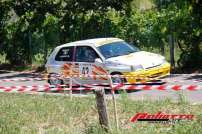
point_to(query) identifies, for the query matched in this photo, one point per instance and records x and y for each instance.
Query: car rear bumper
(149, 74)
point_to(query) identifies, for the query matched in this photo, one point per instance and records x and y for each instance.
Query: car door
(92, 71)
(64, 60)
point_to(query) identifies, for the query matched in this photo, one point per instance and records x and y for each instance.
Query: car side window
(85, 54)
(65, 54)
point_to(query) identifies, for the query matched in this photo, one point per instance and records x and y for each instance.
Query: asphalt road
(194, 97)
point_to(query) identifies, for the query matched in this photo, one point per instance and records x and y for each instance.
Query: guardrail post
(102, 108)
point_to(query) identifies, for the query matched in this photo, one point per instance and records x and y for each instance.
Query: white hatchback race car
(103, 57)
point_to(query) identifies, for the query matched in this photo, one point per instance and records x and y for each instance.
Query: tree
(54, 22)
(184, 23)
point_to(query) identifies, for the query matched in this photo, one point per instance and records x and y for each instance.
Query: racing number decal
(85, 69)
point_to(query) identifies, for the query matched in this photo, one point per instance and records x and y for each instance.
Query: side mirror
(98, 60)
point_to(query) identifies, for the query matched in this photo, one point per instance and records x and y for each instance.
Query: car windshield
(117, 49)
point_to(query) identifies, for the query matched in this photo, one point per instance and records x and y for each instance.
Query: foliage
(32, 27)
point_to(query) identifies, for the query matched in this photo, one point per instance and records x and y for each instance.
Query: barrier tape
(52, 78)
(116, 87)
(39, 88)
(159, 87)
(41, 79)
(23, 79)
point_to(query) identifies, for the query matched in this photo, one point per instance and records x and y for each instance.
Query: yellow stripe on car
(140, 76)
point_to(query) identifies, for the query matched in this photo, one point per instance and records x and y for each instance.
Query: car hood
(146, 59)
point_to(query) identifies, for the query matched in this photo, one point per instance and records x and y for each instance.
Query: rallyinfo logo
(161, 117)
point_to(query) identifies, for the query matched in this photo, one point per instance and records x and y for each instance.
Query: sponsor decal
(161, 117)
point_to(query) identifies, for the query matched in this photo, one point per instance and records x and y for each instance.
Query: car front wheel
(117, 79)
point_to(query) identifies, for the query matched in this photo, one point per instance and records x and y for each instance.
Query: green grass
(21, 113)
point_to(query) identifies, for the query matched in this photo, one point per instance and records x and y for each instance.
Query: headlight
(137, 68)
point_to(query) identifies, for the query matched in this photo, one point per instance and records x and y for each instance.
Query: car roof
(96, 42)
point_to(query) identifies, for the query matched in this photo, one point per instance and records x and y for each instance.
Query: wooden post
(102, 108)
(115, 111)
(70, 88)
(114, 103)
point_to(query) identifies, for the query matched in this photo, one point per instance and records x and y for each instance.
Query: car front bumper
(147, 75)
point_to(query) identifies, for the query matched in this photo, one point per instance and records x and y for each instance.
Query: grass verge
(21, 113)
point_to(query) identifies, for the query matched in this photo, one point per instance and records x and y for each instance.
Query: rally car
(102, 57)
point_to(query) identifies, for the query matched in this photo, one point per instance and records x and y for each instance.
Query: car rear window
(65, 54)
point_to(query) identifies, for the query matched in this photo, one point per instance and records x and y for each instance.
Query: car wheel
(54, 81)
(117, 79)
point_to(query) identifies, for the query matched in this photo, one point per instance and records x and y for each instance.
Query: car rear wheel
(53, 80)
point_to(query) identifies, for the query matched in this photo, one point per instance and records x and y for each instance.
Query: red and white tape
(36, 79)
(39, 88)
(52, 78)
(22, 79)
(158, 87)
(116, 87)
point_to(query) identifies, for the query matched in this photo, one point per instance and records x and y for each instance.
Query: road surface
(194, 97)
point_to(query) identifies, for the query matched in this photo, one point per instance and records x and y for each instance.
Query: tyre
(53, 80)
(118, 79)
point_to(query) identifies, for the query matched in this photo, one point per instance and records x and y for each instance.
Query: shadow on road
(86, 92)
(19, 75)
(195, 77)
(4, 71)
